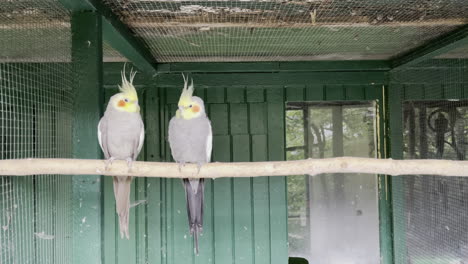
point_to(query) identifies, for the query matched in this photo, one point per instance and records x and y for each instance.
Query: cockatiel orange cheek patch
(195, 109)
(121, 103)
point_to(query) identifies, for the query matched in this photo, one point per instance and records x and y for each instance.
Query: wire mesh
(431, 211)
(36, 104)
(272, 30)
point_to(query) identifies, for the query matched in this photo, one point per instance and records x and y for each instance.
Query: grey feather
(190, 142)
(121, 136)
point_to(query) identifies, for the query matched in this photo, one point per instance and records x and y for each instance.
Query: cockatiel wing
(141, 139)
(102, 134)
(209, 143)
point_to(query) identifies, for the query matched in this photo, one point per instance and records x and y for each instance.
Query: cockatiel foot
(181, 164)
(129, 164)
(109, 162)
(199, 165)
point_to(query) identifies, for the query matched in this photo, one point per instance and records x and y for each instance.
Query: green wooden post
(384, 183)
(87, 63)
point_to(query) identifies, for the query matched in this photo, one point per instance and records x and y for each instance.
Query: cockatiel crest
(189, 106)
(187, 92)
(127, 99)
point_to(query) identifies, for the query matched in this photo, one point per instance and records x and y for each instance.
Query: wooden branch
(21, 167)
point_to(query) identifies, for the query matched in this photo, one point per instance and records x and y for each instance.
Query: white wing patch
(99, 134)
(142, 138)
(209, 145)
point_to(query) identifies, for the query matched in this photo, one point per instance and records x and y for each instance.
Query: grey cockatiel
(121, 135)
(190, 138)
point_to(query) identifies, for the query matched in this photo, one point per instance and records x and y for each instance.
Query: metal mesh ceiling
(39, 31)
(271, 30)
(34, 31)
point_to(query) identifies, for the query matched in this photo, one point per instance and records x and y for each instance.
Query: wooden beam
(117, 34)
(23, 167)
(441, 45)
(87, 60)
(298, 66)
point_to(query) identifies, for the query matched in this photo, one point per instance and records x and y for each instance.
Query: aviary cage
(282, 80)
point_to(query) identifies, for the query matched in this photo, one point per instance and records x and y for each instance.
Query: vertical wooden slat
(295, 94)
(235, 95)
(255, 95)
(243, 233)
(257, 118)
(222, 203)
(354, 92)
(277, 187)
(87, 62)
(334, 92)
(109, 217)
(260, 193)
(314, 92)
(153, 185)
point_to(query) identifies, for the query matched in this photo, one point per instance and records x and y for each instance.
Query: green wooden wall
(245, 219)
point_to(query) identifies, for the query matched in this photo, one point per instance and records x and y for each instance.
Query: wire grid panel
(430, 212)
(270, 30)
(36, 102)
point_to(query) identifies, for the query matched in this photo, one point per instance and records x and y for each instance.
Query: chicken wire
(36, 105)
(430, 212)
(271, 30)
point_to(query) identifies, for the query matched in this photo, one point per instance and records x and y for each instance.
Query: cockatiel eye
(190, 106)
(126, 100)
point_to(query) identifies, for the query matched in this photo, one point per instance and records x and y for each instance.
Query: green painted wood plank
(262, 80)
(257, 120)
(373, 92)
(433, 91)
(414, 92)
(260, 192)
(168, 220)
(110, 222)
(255, 95)
(87, 60)
(140, 204)
(397, 183)
(207, 237)
(172, 95)
(218, 114)
(334, 92)
(200, 92)
(372, 65)
(354, 92)
(314, 92)
(216, 95)
(452, 90)
(235, 95)
(154, 220)
(222, 203)
(277, 187)
(238, 117)
(182, 241)
(295, 93)
(242, 189)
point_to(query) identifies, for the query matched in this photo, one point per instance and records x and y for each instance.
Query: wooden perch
(236, 169)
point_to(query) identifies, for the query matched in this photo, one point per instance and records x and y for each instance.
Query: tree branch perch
(22, 167)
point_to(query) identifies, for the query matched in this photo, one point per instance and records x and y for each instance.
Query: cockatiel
(190, 139)
(121, 134)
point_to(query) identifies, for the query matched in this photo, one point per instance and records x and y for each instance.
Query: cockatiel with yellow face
(121, 134)
(190, 139)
